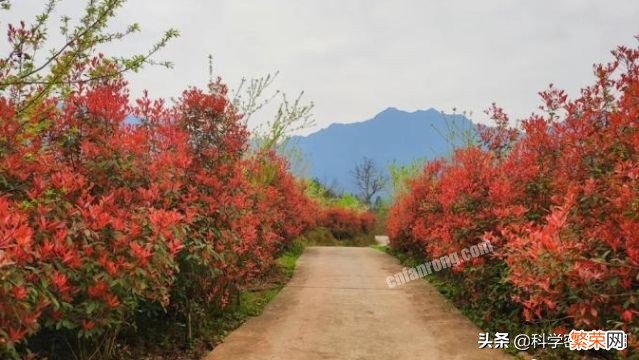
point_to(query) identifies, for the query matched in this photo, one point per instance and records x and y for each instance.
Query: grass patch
(287, 262)
(383, 248)
(254, 299)
(253, 303)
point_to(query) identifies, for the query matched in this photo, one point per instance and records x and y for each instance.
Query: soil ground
(338, 306)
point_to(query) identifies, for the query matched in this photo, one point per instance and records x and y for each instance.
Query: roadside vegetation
(120, 238)
(344, 219)
(159, 341)
(556, 197)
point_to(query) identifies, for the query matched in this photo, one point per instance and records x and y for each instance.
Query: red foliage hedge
(98, 217)
(559, 201)
(346, 223)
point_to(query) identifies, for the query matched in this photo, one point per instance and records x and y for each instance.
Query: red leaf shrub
(99, 218)
(346, 223)
(559, 202)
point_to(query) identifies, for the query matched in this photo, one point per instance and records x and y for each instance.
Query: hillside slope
(392, 135)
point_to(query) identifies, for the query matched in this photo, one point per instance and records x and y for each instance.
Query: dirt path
(338, 306)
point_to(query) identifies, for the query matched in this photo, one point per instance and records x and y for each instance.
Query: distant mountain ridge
(393, 135)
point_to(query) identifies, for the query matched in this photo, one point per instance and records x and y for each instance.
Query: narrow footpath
(338, 306)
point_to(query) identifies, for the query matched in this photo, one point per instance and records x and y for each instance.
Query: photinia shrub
(346, 223)
(558, 200)
(85, 236)
(100, 218)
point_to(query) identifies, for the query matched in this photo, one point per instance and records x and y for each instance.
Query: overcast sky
(356, 58)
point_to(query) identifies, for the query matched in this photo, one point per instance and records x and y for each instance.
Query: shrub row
(559, 201)
(346, 223)
(100, 218)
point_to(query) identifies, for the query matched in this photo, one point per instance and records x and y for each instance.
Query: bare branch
(369, 179)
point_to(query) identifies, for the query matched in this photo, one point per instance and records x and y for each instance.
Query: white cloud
(354, 58)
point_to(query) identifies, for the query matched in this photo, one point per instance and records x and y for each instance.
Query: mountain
(393, 135)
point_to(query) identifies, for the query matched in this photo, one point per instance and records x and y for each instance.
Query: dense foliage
(559, 201)
(99, 217)
(342, 214)
(346, 223)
